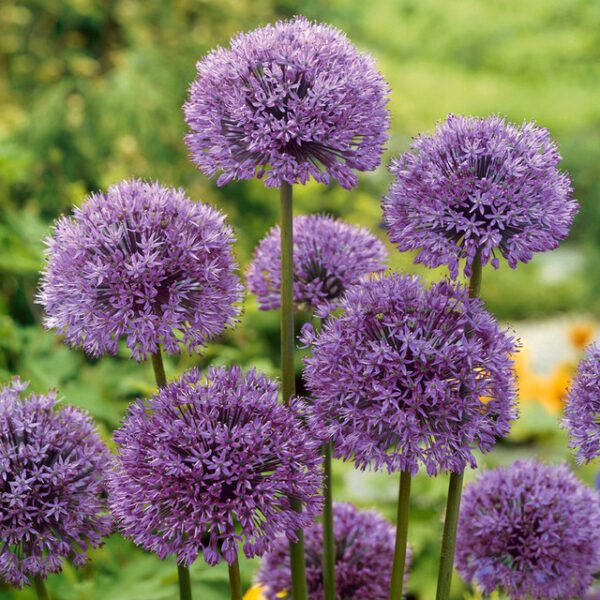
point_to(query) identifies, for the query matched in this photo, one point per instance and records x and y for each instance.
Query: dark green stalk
(159, 369)
(397, 584)
(234, 581)
(185, 585)
(40, 588)
(328, 539)
(454, 487)
(288, 373)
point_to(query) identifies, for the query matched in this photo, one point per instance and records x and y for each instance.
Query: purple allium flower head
(291, 101)
(329, 256)
(364, 543)
(408, 375)
(479, 186)
(52, 485)
(142, 262)
(582, 412)
(532, 530)
(210, 462)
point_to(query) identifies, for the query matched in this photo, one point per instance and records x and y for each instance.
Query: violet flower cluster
(329, 257)
(213, 461)
(141, 262)
(52, 485)
(409, 375)
(582, 412)
(531, 530)
(364, 543)
(476, 187)
(288, 101)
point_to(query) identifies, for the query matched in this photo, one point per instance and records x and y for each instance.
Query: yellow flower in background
(582, 334)
(550, 390)
(255, 593)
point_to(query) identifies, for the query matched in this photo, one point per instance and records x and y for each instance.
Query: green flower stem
(475, 281)
(40, 588)
(328, 539)
(159, 369)
(397, 584)
(454, 487)
(183, 573)
(288, 372)
(234, 581)
(449, 536)
(185, 584)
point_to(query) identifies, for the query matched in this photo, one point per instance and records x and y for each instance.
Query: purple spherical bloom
(329, 257)
(364, 543)
(531, 530)
(477, 186)
(52, 485)
(408, 375)
(582, 412)
(213, 461)
(291, 101)
(141, 262)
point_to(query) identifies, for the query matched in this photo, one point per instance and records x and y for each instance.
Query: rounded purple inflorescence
(364, 543)
(210, 462)
(141, 262)
(582, 412)
(530, 530)
(329, 257)
(475, 187)
(409, 375)
(289, 101)
(52, 485)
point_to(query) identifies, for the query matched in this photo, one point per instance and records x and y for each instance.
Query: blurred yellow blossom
(582, 334)
(255, 593)
(550, 390)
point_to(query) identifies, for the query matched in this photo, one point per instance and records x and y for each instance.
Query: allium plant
(409, 376)
(52, 485)
(364, 543)
(329, 257)
(479, 187)
(210, 462)
(582, 412)
(531, 530)
(288, 101)
(144, 263)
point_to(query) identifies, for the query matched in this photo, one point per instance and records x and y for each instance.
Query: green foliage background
(91, 92)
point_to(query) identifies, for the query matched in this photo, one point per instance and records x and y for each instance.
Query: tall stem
(40, 588)
(234, 581)
(449, 536)
(159, 369)
(328, 535)
(288, 374)
(183, 573)
(185, 584)
(454, 486)
(397, 585)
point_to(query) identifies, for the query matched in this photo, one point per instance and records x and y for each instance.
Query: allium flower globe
(531, 530)
(582, 412)
(409, 376)
(364, 543)
(210, 462)
(141, 262)
(329, 257)
(288, 101)
(52, 485)
(479, 186)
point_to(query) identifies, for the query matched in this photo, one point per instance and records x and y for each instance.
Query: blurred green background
(91, 92)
